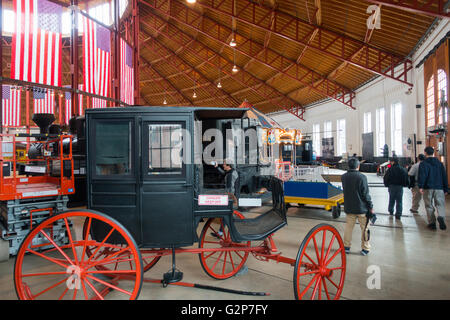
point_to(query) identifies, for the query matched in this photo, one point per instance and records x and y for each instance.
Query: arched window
(442, 96)
(430, 103)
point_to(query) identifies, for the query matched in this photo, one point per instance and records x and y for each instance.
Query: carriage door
(166, 188)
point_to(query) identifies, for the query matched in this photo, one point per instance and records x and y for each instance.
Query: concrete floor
(413, 261)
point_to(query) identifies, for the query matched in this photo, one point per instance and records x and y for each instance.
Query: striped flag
(68, 104)
(97, 58)
(126, 73)
(80, 101)
(44, 101)
(36, 42)
(11, 106)
(98, 103)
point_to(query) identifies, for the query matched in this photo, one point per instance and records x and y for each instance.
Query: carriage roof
(200, 112)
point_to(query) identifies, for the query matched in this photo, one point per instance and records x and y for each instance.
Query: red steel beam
(327, 42)
(260, 53)
(244, 78)
(435, 8)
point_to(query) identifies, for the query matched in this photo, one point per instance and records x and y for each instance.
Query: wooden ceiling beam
(181, 39)
(257, 52)
(185, 98)
(435, 8)
(156, 43)
(329, 43)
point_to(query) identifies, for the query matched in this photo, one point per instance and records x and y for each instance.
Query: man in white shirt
(414, 177)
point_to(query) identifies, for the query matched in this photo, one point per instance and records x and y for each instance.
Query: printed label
(212, 200)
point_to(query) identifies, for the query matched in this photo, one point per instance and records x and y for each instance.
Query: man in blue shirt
(433, 185)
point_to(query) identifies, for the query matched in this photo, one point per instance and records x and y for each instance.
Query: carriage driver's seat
(267, 223)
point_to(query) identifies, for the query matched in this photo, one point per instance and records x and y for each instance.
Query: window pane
(430, 103)
(396, 129)
(113, 148)
(165, 148)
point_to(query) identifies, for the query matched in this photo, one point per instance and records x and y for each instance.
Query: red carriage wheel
(148, 260)
(65, 270)
(320, 266)
(221, 264)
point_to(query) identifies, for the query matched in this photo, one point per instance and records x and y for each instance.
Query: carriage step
(260, 227)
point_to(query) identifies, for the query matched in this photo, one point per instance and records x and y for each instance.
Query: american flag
(98, 103)
(68, 104)
(126, 73)
(36, 42)
(44, 101)
(10, 106)
(97, 58)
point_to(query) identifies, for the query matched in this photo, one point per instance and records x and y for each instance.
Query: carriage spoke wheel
(148, 260)
(221, 264)
(320, 266)
(67, 272)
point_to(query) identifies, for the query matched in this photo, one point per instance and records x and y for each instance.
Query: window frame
(394, 128)
(132, 149)
(378, 123)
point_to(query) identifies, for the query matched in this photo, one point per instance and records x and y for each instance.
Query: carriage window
(113, 148)
(165, 149)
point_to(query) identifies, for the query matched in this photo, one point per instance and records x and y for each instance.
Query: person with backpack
(413, 174)
(358, 206)
(395, 179)
(433, 185)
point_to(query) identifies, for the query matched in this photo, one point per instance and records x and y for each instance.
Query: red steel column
(74, 57)
(137, 93)
(116, 82)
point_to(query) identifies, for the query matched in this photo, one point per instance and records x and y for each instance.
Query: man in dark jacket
(433, 185)
(395, 179)
(232, 182)
(357, 203)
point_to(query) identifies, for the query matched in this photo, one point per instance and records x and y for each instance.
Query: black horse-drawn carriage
(146, 200)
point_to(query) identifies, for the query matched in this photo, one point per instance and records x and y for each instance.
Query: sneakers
(431, 226)
(365, 252)
(442, 225)
(413, 211)
(397, 217)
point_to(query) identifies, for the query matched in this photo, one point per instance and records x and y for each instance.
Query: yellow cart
(314, 193)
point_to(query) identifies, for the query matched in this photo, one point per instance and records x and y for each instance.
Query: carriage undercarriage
(96, 269)
(144, 205)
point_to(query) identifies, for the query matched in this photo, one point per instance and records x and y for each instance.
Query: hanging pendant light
(219, 84)
(194, 95)
(235, 68)
(191, 1)
(233, 41)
